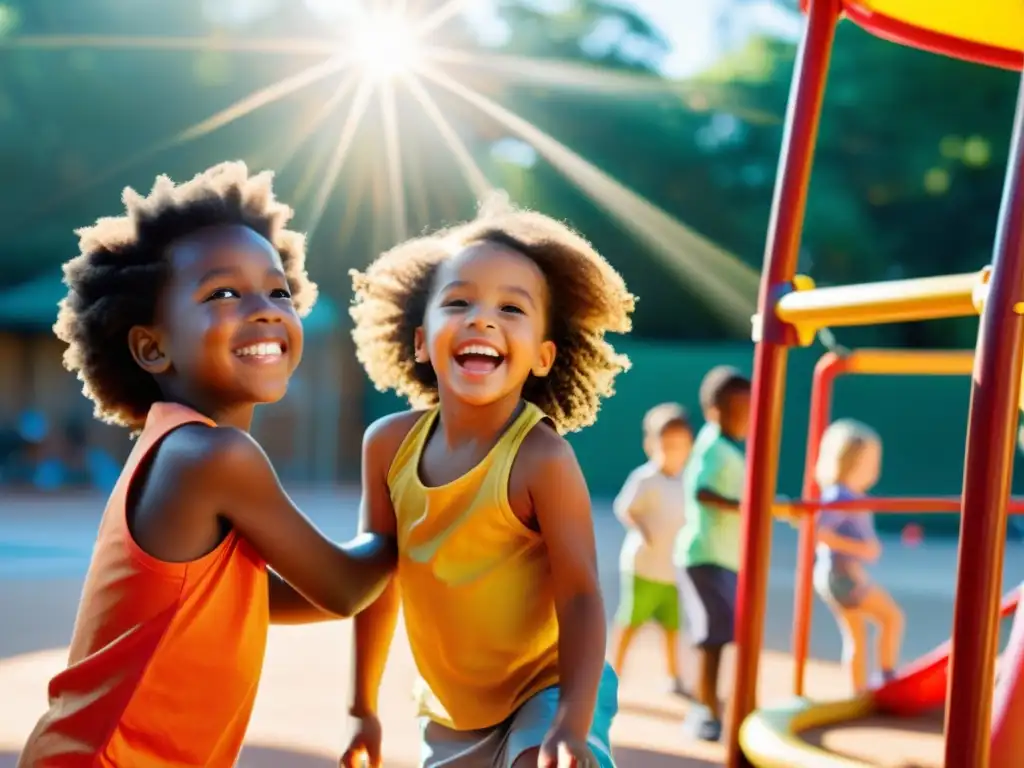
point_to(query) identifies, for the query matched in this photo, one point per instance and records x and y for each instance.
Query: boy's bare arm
(561, 503)
(223, 472)
(717, 500)
(288, 606)
(864, 550)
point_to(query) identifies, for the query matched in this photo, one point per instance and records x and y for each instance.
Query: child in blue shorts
(652, 507)
(708, 548)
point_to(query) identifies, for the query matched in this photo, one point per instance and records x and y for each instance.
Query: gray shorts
(840, 588)
(708, 593)
(500, 745)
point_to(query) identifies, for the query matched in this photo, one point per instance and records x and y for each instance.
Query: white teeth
(263, 349)
(479, 349)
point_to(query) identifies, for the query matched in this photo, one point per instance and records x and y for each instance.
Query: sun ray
(358, 188)
(293, 144)
(295, 46)
(264, 96)
(729, 285)
(393, 157)
(588, 78)
(438, 17)
(240, 108)
(379, 194)
(348, 133)
(555, 72)
(418, 192)
(471, 172)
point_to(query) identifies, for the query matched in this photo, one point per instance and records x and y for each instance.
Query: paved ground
(44, 549)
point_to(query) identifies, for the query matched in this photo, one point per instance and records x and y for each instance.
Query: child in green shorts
(651, 506)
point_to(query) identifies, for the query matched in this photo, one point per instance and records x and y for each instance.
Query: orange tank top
(165, 657)
(475, 585)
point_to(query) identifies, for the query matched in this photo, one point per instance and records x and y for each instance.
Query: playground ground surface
(299, 716)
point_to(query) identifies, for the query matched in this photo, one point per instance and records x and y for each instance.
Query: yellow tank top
(475, 584)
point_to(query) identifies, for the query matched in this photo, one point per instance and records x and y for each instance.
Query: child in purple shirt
(849, 464)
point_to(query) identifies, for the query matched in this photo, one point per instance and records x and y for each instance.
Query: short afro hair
(588, 299)
(115, 281)
(720, 383)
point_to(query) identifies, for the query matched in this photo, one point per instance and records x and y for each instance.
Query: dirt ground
(299, 717)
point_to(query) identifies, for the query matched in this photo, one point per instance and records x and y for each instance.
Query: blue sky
(691, 26)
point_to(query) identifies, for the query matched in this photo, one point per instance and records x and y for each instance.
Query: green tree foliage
(907, 179)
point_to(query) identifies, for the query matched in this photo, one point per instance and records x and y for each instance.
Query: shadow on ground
(269, 757)
(632, 757)
(910, 742)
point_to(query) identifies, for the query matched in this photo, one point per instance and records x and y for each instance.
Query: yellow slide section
(769, 737)
(996, 23)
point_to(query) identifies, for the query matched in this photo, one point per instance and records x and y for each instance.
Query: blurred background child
(708, 550)
(849, 464)
(651, 505)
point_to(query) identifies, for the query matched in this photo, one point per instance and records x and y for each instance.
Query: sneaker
(701, 725)
(710, 730)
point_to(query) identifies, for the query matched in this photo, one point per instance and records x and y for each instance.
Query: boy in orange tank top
(180, 318)
(494, 330)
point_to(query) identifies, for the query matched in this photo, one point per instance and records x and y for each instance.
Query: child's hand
(562, 750)
(364, 744)
(783, 510)
(872, 550)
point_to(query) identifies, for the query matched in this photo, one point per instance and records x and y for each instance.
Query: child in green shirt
(708, 548)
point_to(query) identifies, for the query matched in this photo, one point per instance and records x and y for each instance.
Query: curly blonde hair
(115, 281)
(588, 299)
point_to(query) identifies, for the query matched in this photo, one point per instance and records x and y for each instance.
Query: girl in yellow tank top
(495, 331)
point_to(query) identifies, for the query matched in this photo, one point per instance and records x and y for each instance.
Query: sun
(386, 46)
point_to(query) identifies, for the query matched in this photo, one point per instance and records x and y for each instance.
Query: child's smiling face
(485, 327)
(227, 333)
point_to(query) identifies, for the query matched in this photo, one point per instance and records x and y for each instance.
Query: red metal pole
(825, 372)
(781, 250)
(991, 440)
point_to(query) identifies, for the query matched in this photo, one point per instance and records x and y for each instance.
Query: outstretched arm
(230, 476)
(718, 501)
(288, 606)
(561, 504)
(717, 476)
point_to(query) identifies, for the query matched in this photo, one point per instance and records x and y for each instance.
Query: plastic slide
(921, 685)
(770, 737)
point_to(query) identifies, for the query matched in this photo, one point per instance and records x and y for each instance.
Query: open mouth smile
(262, 352)
(478, 358)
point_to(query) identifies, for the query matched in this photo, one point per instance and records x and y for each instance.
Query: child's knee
(894, 619)
(527, 759)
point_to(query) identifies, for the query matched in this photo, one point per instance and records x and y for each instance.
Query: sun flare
(387, 46)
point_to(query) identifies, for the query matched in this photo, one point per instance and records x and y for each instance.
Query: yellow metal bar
(900, 362)
(893, 301)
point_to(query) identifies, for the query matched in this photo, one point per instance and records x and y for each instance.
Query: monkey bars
(986, 31)
(809, 309)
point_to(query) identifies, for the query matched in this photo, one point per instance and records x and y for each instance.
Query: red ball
(912, 535)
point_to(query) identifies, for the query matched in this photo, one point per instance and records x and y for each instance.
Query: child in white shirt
(651, 505)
